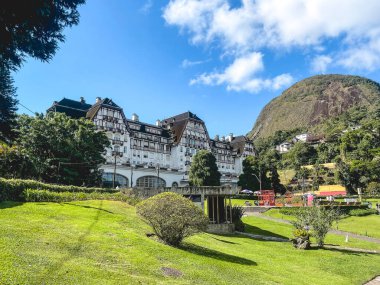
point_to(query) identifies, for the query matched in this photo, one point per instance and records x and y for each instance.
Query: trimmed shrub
(237, 214)
(362, 212)
(12, 189)
(31, 195)
(172, 217)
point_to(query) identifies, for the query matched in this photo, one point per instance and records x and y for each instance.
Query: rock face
(313, 100)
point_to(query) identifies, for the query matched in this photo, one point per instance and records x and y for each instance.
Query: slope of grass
(103, 242)
(367, 225)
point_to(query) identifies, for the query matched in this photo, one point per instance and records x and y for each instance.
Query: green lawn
(366, 225)
(103, 242)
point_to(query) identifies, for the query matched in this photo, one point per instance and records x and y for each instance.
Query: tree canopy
(34, 28)
(203, 170)
(62, 149)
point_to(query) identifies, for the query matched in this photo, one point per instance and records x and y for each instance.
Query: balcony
(117, 153)
(117, 142)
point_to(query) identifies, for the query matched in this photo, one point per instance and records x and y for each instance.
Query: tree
(203, 170)
(301, 154)
(13, 163)
(8, 104)
(28, 28)
(62, 149)
(254, 171)
(172, 217)
(34, 28)
(317, 221)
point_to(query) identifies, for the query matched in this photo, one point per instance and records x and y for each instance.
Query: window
(150, 182)
(120, 180)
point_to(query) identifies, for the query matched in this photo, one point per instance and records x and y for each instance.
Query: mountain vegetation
(309, 103)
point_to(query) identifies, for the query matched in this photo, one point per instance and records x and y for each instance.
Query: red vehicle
(266, 198)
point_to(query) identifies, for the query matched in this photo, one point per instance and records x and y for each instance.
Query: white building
(147, 155)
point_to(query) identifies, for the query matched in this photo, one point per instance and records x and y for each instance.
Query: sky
(220, 59)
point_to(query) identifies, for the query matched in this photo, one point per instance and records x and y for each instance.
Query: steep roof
(143, 128)
(184, 116)
(72, 108)
(238, 143)
(106, 102)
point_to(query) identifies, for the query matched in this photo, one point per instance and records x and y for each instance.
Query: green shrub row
(12, 189)
(32, 195)
(343, 210)
(362, 212)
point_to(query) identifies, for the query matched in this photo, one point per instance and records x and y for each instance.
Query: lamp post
(158, 174)
(132, 166)
(258, 179)
(115, 154)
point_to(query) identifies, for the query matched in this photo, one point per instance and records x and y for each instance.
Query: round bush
(172, 217)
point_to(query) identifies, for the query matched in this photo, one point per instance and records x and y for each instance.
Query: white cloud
(145, 9)
(241, 76)
(286, 25)
(320, 63)
(188, 63)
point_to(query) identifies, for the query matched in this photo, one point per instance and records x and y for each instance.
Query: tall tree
(203, 170)
(28, 28)
(34, 28)
(62, 149)
(254, 172)
(7, 104)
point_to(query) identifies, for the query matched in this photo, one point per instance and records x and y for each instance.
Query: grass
(103, 242)
(258, 225)
(241, 202)
(367, 225)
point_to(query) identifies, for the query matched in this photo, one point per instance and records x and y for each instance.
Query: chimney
(223, 138)
(82, 100)
(135, 118)
(158, 123)
(98, 99)
(216, 138)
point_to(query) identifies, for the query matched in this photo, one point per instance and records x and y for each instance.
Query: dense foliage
(8, 104)
(203, 170)
(172, 217)
(56, 149)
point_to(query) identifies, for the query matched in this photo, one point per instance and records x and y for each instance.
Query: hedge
(362, 212)
(344, 210)
(12, 189)
(32, 195)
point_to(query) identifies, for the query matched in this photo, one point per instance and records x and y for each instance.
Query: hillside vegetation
(308, 103)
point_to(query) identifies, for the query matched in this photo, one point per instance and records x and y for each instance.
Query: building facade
(160, 154)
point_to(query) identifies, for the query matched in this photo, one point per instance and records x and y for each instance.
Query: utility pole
(114, 171)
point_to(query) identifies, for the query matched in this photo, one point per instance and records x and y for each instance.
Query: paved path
(337, 232)
(269, 238)
(375, 281)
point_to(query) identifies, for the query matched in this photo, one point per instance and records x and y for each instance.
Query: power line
(26, 108)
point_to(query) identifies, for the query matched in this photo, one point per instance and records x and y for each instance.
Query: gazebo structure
(219, 206)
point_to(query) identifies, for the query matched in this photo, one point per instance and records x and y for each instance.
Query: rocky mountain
(308, 103)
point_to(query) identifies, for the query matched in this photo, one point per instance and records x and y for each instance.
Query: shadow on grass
(221, 240)
(257, 231)
(199, 250)
(348, 251)
(89, 207)
(9, 204)
(76, 250)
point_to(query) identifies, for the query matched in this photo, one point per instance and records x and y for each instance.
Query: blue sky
(223, 60)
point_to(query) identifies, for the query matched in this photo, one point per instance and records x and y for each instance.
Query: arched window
(150, 182)
(120, 180)
(174, 184)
